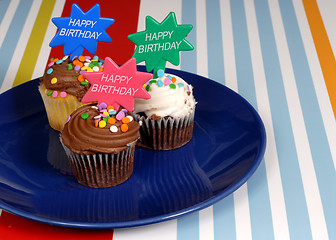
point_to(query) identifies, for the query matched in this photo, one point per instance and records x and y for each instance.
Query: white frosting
(166, 101)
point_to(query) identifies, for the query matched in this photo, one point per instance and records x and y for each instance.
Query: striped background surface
(278, 54)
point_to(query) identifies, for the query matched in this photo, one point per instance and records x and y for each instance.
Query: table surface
(278, 54)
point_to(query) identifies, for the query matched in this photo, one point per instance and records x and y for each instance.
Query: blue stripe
(188, 226)
(260, 209)
(3, 8)
(296, 208)
(224, 219)
(12, 37)
(189, 58)
(324, 166)
(214, 39)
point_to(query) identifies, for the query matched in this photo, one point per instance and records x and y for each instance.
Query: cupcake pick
(81, 30)
(116, 85)
(161, 42)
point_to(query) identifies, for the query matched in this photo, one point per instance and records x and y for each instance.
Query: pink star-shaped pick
(116, 85)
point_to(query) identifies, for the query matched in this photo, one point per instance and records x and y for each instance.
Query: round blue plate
(227, 147)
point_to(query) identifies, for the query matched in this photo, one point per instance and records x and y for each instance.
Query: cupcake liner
(166, 133)
(102, 170)
(58, 109)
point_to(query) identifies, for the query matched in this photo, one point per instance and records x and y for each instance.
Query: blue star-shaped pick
(81, 30)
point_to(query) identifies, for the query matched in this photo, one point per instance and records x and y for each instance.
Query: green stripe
(34, 44)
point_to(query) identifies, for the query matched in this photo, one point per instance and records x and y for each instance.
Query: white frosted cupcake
(168, 116)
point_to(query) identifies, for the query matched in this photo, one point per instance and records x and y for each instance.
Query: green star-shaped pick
(161, 42)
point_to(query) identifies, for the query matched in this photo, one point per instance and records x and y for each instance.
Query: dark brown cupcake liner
(166, 133)
(102, 170)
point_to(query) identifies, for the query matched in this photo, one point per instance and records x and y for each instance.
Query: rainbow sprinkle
(167, 81)
(109, 117)
(85, 116)
(80, 65)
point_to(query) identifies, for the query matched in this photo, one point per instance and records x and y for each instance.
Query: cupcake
(168, 116)
(63, 86)
(99, 142)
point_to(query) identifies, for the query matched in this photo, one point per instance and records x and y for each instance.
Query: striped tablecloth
(279, 55)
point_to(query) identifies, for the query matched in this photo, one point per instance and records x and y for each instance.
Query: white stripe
(20, 47)
(276, 195)
(45, 49)
(317, 75)
(206, 224)
(7, 19)
(228, 46)
(163, 231)
(201, 38)
(159, 10)
(242, 213)
(313, 200)
(327, 9)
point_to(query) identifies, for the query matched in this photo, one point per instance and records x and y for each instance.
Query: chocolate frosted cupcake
(168, 116)
(99, 142)
(63, 86)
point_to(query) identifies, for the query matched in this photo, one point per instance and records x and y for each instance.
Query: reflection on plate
(227, 147)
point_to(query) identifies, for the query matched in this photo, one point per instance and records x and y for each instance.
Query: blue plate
(227, 147)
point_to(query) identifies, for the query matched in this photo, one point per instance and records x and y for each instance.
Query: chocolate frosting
(83, 137)
(66, 80)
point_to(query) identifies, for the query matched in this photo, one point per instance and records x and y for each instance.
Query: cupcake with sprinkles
(63, 86)
(99, 142)
(168, 116)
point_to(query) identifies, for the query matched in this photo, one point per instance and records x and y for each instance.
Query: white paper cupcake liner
(102, 170)
(166, 133)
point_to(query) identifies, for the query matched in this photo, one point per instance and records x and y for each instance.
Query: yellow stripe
(323, 48)
(34, 44)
